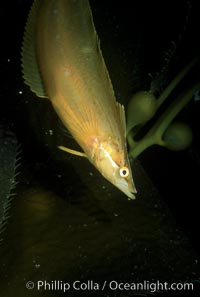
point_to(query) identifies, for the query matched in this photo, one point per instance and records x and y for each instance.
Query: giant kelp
(9, 161)
(164, 132)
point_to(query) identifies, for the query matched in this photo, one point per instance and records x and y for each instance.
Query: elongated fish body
(62, 61)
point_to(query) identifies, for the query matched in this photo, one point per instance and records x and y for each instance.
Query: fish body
(62, 60)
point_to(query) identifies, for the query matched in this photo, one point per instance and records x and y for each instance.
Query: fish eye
(124, 171)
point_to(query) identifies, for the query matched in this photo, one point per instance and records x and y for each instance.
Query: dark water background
(67, 222)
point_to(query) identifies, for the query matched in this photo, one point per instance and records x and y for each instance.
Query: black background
(136, 33)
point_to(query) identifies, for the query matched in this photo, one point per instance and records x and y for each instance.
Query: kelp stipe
(174, 136)
(147, 111)
(9, 164)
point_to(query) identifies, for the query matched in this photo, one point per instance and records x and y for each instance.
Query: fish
(62, 61)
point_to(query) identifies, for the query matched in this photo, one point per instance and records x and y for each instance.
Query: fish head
(114, 165)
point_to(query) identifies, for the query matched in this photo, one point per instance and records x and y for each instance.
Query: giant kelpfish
(62, 61)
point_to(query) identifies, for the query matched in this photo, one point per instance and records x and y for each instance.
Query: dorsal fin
(122, 117)
(30, 69)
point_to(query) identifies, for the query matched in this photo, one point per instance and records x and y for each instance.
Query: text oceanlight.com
(90, 285)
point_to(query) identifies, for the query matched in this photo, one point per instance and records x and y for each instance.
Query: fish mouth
(124, 187)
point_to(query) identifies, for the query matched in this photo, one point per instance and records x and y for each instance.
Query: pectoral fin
(122, 118)
(73, 152)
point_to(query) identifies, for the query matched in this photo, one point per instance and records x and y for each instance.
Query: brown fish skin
(76, 81)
